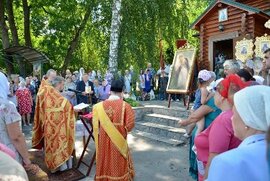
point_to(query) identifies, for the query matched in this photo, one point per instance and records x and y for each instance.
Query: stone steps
(160, 123)
(161, 130)
(162, 119)
(175, 112)
(155, 137)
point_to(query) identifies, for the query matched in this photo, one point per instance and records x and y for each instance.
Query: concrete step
(161, 130)
(175, 112)
(154, 137)
(162, 119)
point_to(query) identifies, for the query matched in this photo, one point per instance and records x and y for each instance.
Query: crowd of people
(227, 124)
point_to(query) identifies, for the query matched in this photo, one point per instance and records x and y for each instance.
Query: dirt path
(154, 161)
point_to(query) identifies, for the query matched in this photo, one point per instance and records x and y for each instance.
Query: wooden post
(169, 99)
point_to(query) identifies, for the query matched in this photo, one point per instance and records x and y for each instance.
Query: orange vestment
(111, 165)
(53, 126)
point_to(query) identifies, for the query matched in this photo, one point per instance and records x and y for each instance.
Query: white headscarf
(259, 79)
(4, 86)
(253, 106)
(22, 85)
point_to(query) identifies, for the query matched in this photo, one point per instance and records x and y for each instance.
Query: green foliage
(144, 23)
(132, 102)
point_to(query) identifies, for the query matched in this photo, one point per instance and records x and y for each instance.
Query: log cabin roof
(249, 9)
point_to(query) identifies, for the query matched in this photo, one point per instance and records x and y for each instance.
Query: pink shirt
(217, 138)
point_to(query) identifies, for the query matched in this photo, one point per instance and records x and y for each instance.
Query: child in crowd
(202, 95)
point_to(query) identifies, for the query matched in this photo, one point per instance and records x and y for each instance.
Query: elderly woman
(251, 119)
(25, 102)
(231, 67)
(209, 111)
(219, 136)
(10, 132)
(104, 90)
(71, 96)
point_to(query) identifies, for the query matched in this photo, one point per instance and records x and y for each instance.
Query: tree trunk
(14, 34)
(11, 22)
(115, 33)
(75, 40)
(26, 12)
(4, 36)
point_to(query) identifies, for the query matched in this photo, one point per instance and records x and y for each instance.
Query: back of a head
(57, 80)
(243, 73)
(252, 104)
(117, 86)
(22, 84)
(51, 73)
(204, 76)
(213, 75)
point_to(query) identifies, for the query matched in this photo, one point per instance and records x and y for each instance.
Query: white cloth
(253, 106)
(4, 86)
(10, 169)
(166, 70)
(247, 162)
(259, 79)
(205, 75)
(8, 115)
(142, 81)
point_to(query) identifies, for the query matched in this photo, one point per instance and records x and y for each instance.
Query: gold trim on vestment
(122, 116)
(100, 117)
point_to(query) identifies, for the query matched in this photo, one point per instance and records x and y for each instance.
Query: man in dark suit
(85, 97)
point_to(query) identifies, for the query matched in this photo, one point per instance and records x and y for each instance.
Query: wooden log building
(224, 23)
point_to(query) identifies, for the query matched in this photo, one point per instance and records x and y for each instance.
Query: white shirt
(246, 163)
(166, 70)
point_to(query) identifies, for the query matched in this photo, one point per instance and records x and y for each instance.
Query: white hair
(57, 80)
(232, 65)
(49, 72)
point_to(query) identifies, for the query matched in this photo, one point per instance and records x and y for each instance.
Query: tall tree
(115, 33)
(14, 33)
(75, 40)
(11, 22)
(26, 12)
(4, 36)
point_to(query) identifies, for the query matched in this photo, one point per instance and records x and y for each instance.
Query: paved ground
(153, 160)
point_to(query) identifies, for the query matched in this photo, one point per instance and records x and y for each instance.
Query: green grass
(132, 102)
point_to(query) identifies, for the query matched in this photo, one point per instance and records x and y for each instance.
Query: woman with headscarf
(81, 72)
(10, 131)
(219, 136)
(209, 111)
(25, 102)
(251, 119)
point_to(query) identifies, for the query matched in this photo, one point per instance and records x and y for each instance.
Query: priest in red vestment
(112, 120)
